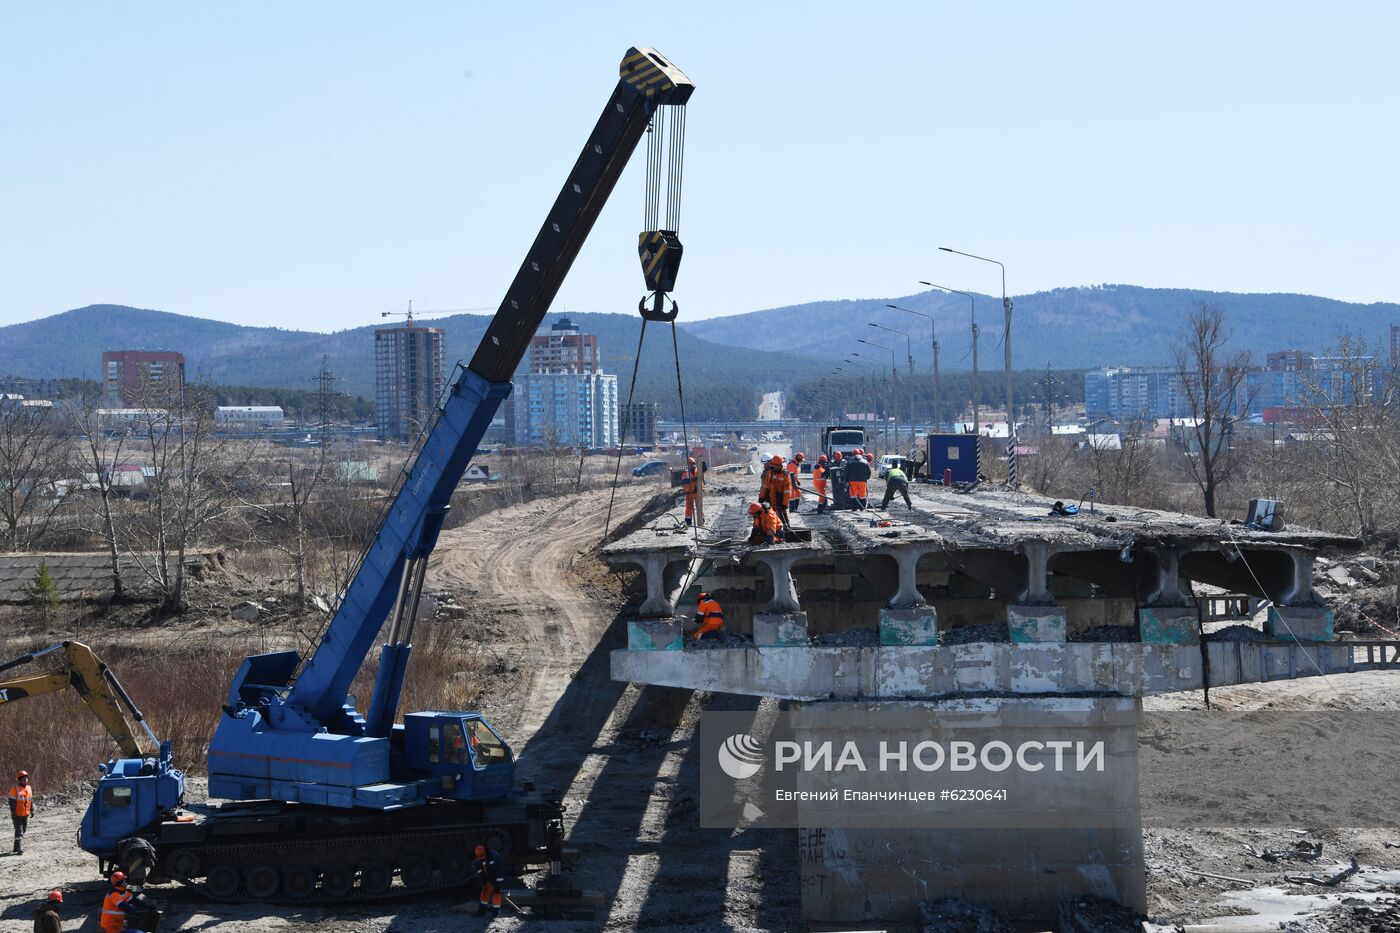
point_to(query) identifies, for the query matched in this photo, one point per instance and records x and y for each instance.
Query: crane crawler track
(351, 853)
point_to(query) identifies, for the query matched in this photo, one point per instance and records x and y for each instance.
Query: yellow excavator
(96, 685)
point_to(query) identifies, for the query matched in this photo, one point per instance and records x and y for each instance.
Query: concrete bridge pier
(1055, 837)
(782, 621)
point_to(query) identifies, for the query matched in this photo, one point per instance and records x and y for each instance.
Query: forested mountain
(720, 381)
(1067, 328)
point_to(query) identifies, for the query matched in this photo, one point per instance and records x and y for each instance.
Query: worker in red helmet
(794, 468)
(21, 807)
(709, 614)
(857, 477)
(694, 485)
(46, 918)
(113, 914)
(776, 488)
(492, 869)
(820, 470)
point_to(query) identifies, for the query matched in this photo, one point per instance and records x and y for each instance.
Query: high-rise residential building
(136, 378)
(565, 350)
(566, 399)
(409, 376)
(639, 422)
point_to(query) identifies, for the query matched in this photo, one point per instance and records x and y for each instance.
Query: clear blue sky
(311, 164)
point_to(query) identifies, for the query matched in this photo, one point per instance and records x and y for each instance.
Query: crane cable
(664, 144)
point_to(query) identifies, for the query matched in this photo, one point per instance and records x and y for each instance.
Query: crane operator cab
(462, 752)
(133, 796)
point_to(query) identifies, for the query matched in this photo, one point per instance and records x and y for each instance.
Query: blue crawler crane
(329, 802)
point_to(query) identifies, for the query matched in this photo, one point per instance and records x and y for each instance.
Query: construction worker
(21, 807)
(113, 916)
(46, 918)
(777, 486)
(794, 468)
(137, 857)
(767, 529)
(857, 475)
(709, 614)
(141, 915)
(819, 474)
(694, 485)
(896, 482)
(492, 869)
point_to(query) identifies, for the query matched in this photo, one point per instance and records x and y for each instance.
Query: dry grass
(181, 691)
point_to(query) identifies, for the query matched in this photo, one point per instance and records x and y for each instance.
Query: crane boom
(390, 576)
(96, 685)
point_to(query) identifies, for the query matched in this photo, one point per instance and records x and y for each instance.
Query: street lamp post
(893, 388)
(933, 326)
(869, 368)
(976, 385)
(1006, 342)
(909, 383)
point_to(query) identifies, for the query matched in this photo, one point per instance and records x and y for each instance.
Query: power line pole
(325, 399)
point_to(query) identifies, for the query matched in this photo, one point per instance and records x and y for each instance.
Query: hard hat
(755, 508)
(822, 459)
(690, 460)
(21, 774)
(481, 852)
(777, 458)
(55, 897)
(703, 596)
(800, 456)
(119, 878)
(838, 455)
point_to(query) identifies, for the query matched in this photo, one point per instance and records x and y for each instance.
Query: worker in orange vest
(709, 614)
(794, 469)
(21, 807)
(777, 487)
(694, 485)
(113, 914)
(767, 527)
(819, 472)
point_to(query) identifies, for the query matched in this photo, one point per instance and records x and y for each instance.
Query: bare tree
(1054, 455)
(34, 471)
(1356, 449)
(100, 452)
(283, 509)
(1213, 385)
(195, 477)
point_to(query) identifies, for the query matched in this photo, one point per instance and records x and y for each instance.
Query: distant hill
(720, 381)
(1068, 328)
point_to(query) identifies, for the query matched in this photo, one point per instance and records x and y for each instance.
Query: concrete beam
(907, 557)
(923, 672)
(665, 571)
(779, 564)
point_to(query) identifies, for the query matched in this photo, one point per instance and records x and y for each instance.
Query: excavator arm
(95, 684)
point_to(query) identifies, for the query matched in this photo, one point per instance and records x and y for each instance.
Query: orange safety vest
(794, 470)
(777, 485)
(709, 609)
(113, 917)
(691, 482)
(23, 800)
(771, 524)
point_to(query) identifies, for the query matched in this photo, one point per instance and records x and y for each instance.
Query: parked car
(887, 461)
(650, 468)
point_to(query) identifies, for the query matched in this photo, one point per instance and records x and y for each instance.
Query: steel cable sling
(660, 252)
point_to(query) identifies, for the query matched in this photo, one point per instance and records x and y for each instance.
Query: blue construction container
(955, 452)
